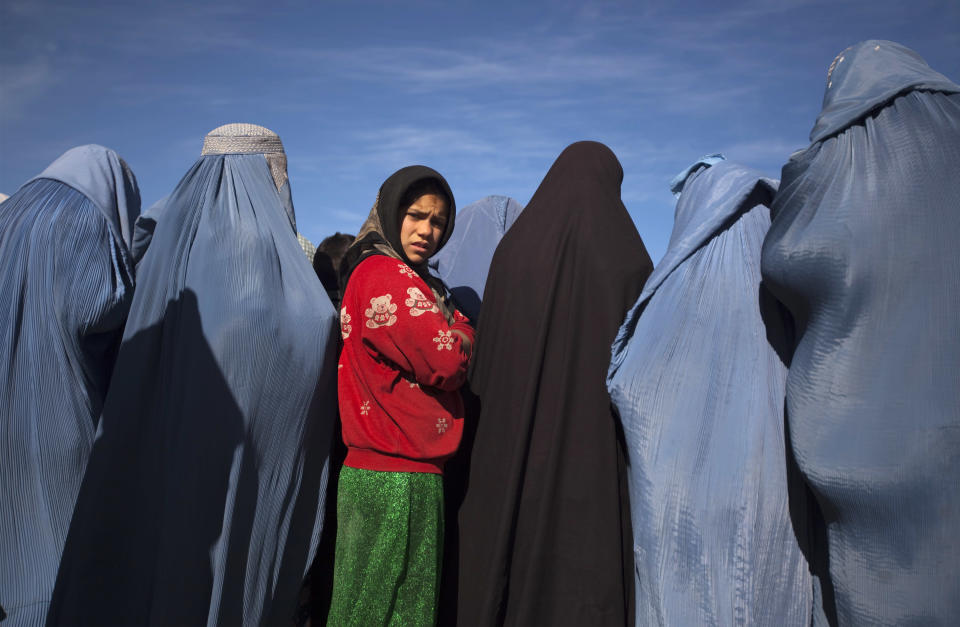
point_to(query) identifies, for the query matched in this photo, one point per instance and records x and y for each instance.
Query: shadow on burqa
(154, 501)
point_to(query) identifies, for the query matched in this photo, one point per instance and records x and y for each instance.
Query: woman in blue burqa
(863, 252)
(203, 499)
(65, 292)
(464, 261)
(697, 377)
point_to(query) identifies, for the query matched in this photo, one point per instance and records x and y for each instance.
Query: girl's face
(422, 227)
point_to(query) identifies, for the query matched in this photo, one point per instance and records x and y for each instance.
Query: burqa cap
(252, 139)
(102, 176)
(867, 76)
(240, 138)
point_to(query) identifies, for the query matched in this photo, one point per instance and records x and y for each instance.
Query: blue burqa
(698, 380)
(465, 259)
(143, 230)
(65, 291)
(863, 252)
(203, 499)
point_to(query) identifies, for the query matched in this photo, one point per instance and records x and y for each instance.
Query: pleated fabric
(545, 523)
(143, 229)
(65, 292)
(862, 251)
(697, 376)
(203, 499)
(465, 259)
(102, 176)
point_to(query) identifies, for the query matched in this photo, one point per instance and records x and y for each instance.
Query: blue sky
(488, 93)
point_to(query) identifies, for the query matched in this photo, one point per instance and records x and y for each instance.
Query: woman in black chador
(545, 524)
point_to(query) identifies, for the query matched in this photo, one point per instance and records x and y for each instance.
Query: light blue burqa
(65, 291)
(143, 230)
(863, 252)
(698, 383)
(203, 499)
(465, 259)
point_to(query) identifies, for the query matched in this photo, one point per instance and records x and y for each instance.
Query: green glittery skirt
(389, 548)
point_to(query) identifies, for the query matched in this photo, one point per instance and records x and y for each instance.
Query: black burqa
(545, 524)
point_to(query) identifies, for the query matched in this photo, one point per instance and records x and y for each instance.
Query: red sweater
(400, 371)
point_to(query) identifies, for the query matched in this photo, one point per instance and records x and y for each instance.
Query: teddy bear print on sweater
(418, 303)
(381, 312)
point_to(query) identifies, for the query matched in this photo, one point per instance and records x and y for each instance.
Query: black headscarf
(380, 234)
(545, 524)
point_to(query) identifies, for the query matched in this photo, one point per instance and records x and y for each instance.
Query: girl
(405, 355)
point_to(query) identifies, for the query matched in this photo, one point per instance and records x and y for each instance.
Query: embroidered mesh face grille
(249, 139)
